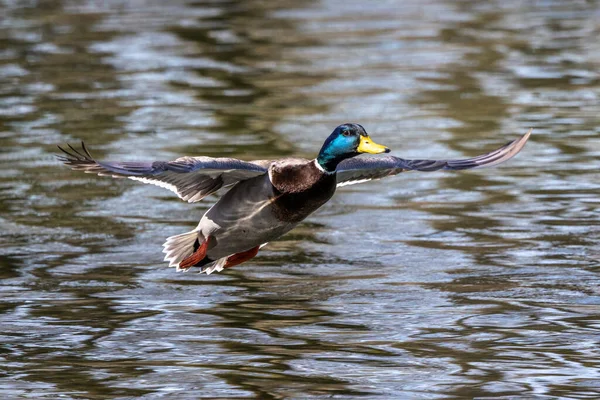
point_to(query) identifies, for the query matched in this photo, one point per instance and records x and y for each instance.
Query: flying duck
(265, 199)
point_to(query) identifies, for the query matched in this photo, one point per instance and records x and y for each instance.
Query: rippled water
(433, 285)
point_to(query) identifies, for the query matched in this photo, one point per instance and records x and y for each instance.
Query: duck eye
(346, 132)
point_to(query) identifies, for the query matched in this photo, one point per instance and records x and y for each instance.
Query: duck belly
(243, 219)
(253, 213)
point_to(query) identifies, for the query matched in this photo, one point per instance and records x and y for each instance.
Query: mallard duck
(265, 199)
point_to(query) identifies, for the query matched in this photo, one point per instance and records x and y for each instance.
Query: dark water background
(440, 285)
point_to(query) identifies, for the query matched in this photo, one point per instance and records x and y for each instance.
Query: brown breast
(301, 188)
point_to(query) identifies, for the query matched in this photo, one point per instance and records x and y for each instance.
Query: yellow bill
(368, 146)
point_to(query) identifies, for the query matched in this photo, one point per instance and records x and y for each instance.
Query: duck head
(347, 141)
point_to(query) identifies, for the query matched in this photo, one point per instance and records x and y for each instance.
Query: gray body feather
(261, 209)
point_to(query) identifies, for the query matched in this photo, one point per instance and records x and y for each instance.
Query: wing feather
(357, 170)
(192, 178)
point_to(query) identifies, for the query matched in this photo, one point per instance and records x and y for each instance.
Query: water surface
(477, 284)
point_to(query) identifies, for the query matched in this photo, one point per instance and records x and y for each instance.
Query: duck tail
(215, 266)
(178, 247)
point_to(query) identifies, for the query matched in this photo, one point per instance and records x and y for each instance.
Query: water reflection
(478, 284)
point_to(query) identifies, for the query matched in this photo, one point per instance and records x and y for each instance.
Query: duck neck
(328, 162)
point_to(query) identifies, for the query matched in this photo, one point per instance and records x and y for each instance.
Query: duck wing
(357, 170)
(192, 178)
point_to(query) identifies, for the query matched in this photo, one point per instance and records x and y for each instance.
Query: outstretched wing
(192, 178)
(357, 170)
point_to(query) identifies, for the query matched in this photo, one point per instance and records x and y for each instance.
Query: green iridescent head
(346, 141)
